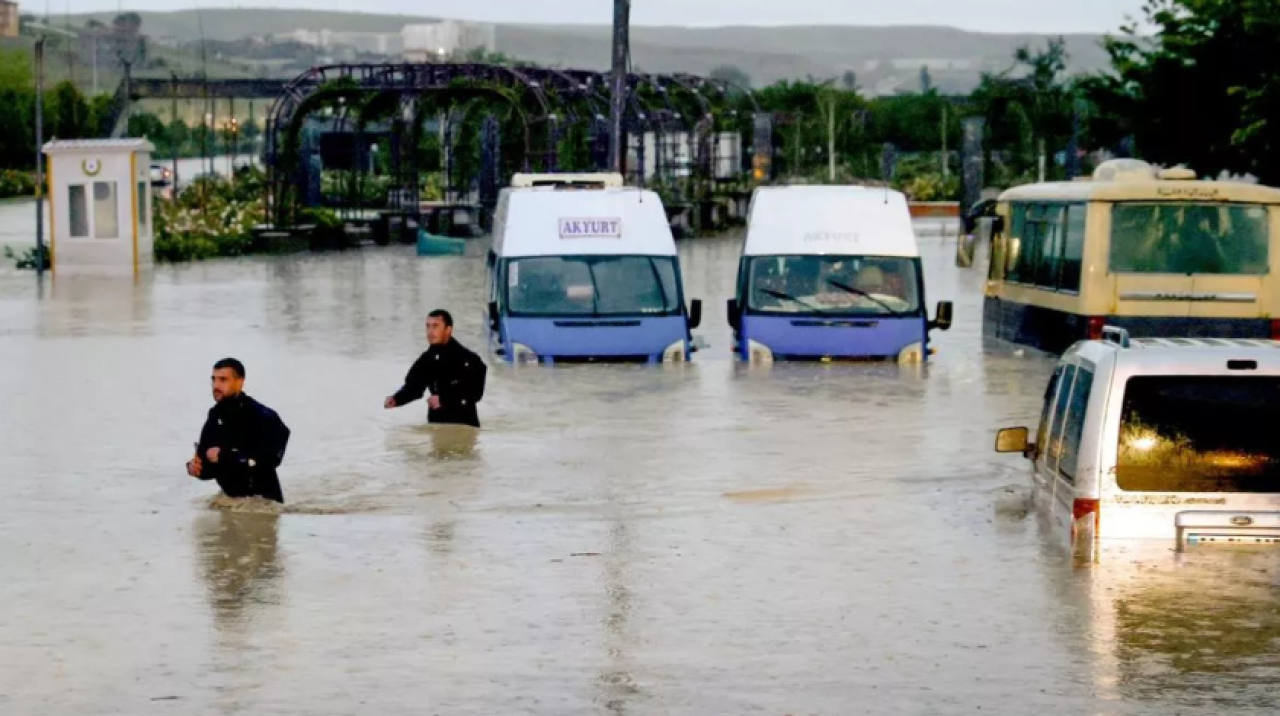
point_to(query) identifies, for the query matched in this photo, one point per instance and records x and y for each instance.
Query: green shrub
(17, 183)
(211, 218)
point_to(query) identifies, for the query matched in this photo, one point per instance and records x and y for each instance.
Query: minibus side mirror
(734, 313)
(695, 313)
(1017, 440)
(942, 319)
(493, 315)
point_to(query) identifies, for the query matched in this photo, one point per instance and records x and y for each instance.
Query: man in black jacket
(243, 441)
(453, 375)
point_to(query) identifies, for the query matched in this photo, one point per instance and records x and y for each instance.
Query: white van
(584, 269)
(831, 273)
(1160, 438)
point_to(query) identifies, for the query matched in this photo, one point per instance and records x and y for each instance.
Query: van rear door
(1198, 459)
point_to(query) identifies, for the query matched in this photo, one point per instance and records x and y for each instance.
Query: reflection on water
(239, 565)
(703, 538)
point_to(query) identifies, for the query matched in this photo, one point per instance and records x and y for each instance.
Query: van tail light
(1096, 324)
(1086, 507)
(1275, 329)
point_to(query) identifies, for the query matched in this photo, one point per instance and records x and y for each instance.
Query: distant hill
(885, 59)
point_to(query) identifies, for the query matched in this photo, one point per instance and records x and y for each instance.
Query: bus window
(1187, 238)
(1046, 247)
(1073, 248)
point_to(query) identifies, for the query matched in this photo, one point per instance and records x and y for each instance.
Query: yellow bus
(1155, 252)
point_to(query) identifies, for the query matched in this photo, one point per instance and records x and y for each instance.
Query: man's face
(437, 332)
(226, 384)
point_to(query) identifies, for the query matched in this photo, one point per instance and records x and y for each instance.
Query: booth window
(78, 207)
(106, 211)
(142, 205)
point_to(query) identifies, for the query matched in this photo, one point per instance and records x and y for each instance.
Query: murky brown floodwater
(704, 539)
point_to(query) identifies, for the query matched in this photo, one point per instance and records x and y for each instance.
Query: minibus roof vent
(1116, 170)
(1178, 173)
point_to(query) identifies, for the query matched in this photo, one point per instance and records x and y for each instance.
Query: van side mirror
(1017, 440)
(735, 313)
(493, 315)
(695, 313)
(942, 319)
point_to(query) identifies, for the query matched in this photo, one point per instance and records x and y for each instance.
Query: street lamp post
(621, 53)
(40, 156)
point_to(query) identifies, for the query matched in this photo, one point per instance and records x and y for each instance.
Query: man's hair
(442, 314)
(236, 366)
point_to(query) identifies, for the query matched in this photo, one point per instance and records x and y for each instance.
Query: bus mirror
(493, 315)
(942, 319)
(734, 313)
(695, 313)
(1013, 440)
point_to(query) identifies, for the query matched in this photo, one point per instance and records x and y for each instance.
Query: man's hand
(195, 467)
(212, 453)
(434, 402)
(389, 403)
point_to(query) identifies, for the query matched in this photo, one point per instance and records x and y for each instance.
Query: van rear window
(1200, 434)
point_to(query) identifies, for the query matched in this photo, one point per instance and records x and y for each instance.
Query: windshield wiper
(789, 297)
(864, 294)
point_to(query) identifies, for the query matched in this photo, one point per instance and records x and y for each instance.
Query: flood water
(700, 539)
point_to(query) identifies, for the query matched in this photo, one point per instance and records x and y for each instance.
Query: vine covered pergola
(498, 120)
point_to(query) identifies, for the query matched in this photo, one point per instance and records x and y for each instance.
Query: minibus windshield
(593, 286)
(833, 285)
(1200, 434)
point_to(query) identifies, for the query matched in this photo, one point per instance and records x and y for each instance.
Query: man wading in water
(454, 375)
(243, 441)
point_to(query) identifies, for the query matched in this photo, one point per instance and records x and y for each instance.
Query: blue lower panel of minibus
(570, 339)
(1056, 331)
(841, 338)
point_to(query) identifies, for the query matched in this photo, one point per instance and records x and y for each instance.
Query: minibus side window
(1053, 451)
(1050, 394)
(1073, 428)
(1073, 247)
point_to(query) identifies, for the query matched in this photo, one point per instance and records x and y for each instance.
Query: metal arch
(543, 97)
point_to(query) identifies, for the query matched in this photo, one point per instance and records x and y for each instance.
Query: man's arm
(196, 465)
(476, 372)
(415, 384)
(271, 439)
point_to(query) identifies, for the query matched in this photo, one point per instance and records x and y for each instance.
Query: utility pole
(173, 123)
(40, 156)
(946, 168)
(831, 138)
(618, 97)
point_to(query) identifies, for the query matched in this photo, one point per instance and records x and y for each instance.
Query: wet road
(698, 539)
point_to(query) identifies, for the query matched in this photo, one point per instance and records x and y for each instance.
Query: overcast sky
(1050, 16)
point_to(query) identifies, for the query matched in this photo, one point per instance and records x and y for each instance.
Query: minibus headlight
(758, 352)
(523, 355)
(913, 353)
(675, 353)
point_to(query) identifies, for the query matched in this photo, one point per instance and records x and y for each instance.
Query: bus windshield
(834, 285)
(1200, 434)
(1187, 238)
(593, 286)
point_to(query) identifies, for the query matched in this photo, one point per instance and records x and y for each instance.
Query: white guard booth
(100, 206)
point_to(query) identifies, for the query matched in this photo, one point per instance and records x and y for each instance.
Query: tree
(732, 75)
(1028, 105)
(849, 81)
(67, 112)
(1204, 91)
